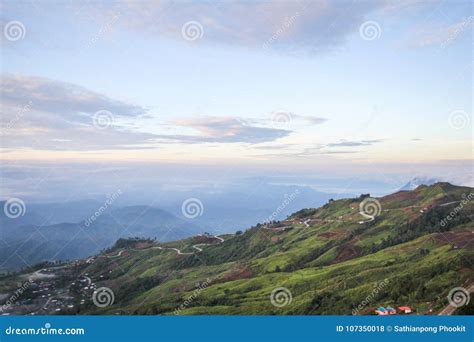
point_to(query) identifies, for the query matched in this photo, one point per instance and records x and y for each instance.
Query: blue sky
(265, 83)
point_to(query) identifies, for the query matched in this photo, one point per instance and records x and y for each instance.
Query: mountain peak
(418, 181)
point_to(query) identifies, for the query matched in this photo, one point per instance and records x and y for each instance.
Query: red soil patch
(400, 196)
(204, 239)
(332, 235)
(346, 252)
(180, 288)
(458, 239)
(242, 273)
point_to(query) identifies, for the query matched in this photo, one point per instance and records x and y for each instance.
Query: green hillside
(329, 260)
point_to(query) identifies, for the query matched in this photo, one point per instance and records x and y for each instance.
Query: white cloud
(441, 35)
(224, 130)
(312, 26)
(41, 113)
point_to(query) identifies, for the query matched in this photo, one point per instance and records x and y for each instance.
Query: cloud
(339, 152)
(274, 147)
(355, 143)
(60, 97)
(287, 117)
(307, 25)
(441, 36)
(305, 152)
(45, 114)
(40, 113)
(223, 130)
(310, 119)
(293, 150)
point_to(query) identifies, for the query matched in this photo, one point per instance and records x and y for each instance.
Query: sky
(334, 86)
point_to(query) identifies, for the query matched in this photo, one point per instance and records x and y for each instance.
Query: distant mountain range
(31, 238)
(64, 230)
(417, 181)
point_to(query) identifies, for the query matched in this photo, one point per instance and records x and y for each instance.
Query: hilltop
(407, 248)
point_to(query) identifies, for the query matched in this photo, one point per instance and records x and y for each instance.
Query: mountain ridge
(31, 239)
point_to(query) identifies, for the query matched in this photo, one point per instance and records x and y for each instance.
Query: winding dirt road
(196, 246)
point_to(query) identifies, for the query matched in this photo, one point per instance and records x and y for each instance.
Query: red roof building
(405, 309)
